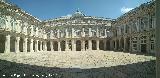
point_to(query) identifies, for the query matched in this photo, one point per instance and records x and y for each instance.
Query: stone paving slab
(93, 64)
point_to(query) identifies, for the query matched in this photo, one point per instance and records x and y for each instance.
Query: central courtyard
(79, 64)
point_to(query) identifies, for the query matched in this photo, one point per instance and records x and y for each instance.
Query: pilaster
(31, 46)
(73, 45)
(45, 46)
(59, 45)
(36, 46)
(51, 45)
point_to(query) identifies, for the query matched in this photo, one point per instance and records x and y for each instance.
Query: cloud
(68, 15)
(125, 9)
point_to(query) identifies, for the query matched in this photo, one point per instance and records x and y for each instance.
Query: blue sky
(49, 9)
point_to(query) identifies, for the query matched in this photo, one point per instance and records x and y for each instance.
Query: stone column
(7, 44)
(90, 44)
(41, 46)
(59, 45)
(31, 45)
(83, 45)
(45, 46)
(104, 44)
(51, 45)
(66, 33)
(36, 46)
(25, 44)
(97, 44)
(73, 45)
(105, 33)
(90, 32)
(67, 45)
(58, 33)
(17, 44)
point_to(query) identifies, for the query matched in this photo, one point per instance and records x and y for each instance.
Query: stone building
(21, 32)
(135, 30)
(77, 32)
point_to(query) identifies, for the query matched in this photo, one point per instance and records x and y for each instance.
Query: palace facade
(22, 32)
(135, 30)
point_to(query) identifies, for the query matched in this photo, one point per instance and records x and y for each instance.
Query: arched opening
(48, 46)
(42, 45)
(55, 45)
(12, 44)
(94, 47)
(122, 44)
(21, 44)
(86, 44)
(108, 45)
(39, 43)
(127, 44)
(63, 45)
(2, 43)
(114, 44)
(117, 48)
(28, 45)
(34, 45)
(78, 45)
(101, 45)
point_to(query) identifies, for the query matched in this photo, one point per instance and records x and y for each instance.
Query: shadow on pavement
(137, 70)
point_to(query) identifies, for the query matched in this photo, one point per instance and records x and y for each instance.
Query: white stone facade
(135, 30)
(21, 32)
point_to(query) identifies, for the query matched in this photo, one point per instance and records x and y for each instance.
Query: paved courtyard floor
(78, 64)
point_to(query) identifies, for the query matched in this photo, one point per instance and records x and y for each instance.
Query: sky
(50, 9)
